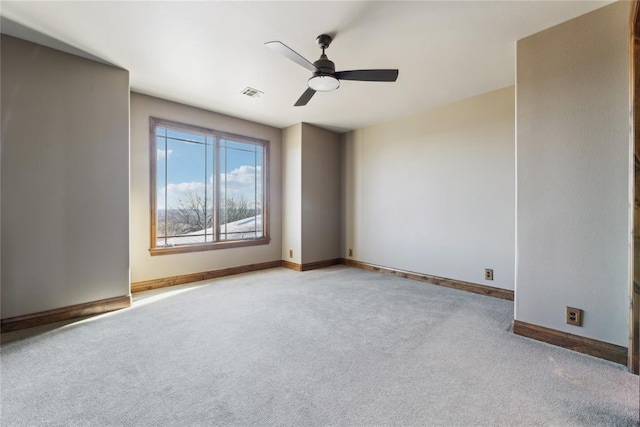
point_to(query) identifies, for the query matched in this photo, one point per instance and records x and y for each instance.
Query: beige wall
(434, 192)
(145, 266)
(65, 179)
(292, 193)
(321, 204)
(573, 161)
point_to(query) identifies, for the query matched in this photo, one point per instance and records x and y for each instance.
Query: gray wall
(65, 179)
(147, 267)
(312, 203)
(434, 192)
(321, 204)
(573, 180)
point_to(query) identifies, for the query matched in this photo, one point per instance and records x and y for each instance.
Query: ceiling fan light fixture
(323, 83)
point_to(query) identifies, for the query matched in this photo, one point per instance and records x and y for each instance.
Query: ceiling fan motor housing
(323, 79)
(325, 66)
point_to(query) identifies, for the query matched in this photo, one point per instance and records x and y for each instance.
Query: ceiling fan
(325, 77)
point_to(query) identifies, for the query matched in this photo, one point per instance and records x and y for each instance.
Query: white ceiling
(205, 53)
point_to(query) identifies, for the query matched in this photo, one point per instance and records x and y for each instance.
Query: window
(208, 189)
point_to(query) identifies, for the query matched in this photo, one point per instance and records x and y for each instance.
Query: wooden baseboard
(163, 282)
(603, 350)
(321, 264)
(311, 265)
(147, 285)
(65, 313)
(489, 291)
(292, 265)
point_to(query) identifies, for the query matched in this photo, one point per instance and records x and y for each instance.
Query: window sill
(209, 246)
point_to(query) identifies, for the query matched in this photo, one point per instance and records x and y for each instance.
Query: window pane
(161, 217)
(186, 136)
(240, 190)
(188, 209)
(259, 178)
(210, 167)
(236, 145)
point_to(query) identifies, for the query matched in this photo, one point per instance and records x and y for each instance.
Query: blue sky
(190, 166)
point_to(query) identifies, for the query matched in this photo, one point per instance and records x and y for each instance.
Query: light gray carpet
(337, 346)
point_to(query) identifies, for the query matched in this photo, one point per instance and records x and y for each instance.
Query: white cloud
(186, 187)
(161, 153)
(241, 181)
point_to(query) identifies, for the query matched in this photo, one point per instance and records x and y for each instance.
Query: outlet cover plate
(574, 316)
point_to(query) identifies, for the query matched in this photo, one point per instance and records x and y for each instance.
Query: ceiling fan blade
(368, 75)
(306, 96)
(287, 52)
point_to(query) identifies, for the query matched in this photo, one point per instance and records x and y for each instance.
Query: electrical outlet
(290, 253)
(488, 274)
(350, 252)
(574, 316)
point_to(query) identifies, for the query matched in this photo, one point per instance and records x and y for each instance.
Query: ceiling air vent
(253, 93)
